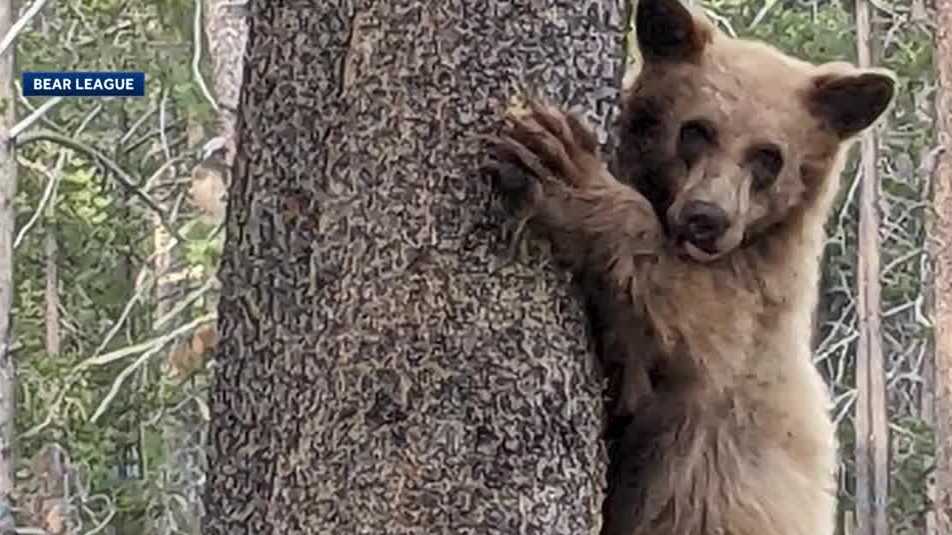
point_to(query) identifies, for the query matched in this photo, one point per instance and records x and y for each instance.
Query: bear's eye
(765, 162)
(695, 137)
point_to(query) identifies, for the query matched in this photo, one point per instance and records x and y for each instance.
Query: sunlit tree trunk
(872, 426)
(375, 373)
(941, 241)
(51, 299)
(226, 29)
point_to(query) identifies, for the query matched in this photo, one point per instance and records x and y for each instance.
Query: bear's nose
(702, 222)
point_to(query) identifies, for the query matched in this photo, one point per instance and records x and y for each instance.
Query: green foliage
(105, 238)
(203, 252)
(176, 17)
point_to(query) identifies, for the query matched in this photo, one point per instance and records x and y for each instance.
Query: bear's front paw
(549, 144)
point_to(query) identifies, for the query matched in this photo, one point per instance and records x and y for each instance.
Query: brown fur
(722, 419)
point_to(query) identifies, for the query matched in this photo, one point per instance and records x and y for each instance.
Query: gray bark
(941, 250)
(51, 298)
(226, 29)
(872, 425)
(375, 375)
(8, 190)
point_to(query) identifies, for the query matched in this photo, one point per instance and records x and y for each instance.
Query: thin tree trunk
(51, 260)
(226, 31)
(941, 241)
(927, 411)
(53, 511)
(872, 426)
(52, 293)
(226, 28)
(375, 374)
(8, 190)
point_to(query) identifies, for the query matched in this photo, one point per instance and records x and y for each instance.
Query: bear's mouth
(699, 252)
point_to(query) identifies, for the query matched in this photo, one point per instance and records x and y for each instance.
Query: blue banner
(84, 84)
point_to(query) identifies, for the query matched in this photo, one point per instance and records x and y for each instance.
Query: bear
(697, 243)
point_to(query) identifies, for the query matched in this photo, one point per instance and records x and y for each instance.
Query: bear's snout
(702, 224)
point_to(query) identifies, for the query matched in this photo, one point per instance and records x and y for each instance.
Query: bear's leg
(661, 474)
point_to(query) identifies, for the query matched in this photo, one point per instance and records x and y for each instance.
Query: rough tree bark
(375, 374)
(941, 241)
(8, 189)
(872, 426)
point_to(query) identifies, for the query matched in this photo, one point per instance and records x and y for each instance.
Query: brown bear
(698, 248)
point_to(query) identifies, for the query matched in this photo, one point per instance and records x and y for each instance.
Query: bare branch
(33, 117)
(149, 348)
(28, 105)
(768, 5)
(123, 177)
(135, 126)
(197, 57)
(54, 178)
(20, 24)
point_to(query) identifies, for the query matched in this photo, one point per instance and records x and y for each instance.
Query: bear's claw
(550, 144)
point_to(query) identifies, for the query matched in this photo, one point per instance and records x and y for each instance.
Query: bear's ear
(667, 31)
(851, 103)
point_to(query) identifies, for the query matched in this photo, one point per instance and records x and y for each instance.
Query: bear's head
(729, 137)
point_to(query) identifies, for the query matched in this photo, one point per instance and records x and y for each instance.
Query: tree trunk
(376, 375)
(872, 426)
(52, 513)
(8, 190)
(941, 241)
(51, 299)
(226, 28)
